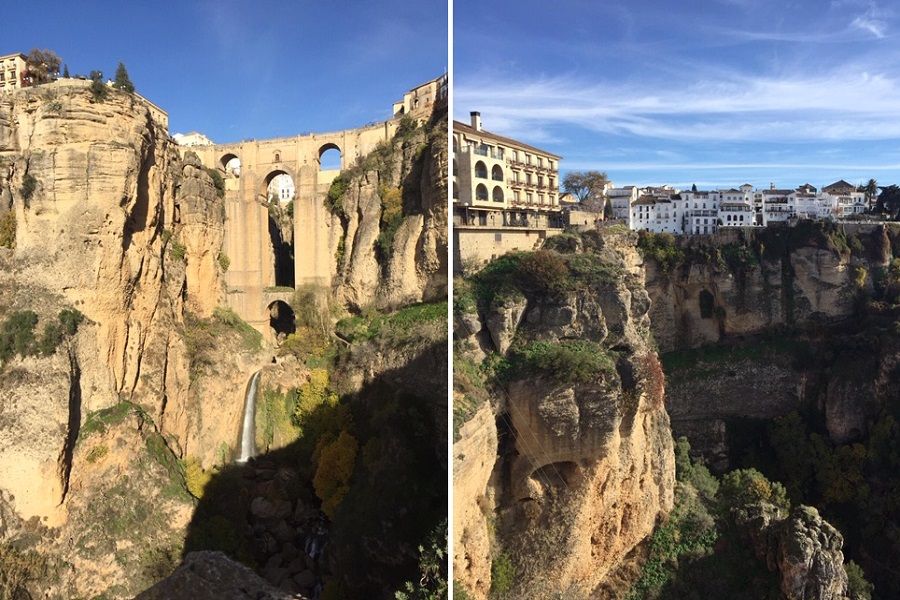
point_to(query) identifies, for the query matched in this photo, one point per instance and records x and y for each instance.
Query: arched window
(497, 173)
(231, 164)
(278, 157)
(481, 192)
(481, 171)
(329, 157)
(497, 194)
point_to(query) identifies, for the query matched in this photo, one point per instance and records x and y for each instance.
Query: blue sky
(238, 70)
(717, 92)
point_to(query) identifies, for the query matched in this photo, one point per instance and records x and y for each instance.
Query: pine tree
(122, 82)
(66, 71)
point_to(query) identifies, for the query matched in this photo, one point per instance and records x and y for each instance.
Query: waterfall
(248, 430)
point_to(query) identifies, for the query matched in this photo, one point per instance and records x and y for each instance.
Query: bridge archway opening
(282, 319)
(279, 199)
(231, 164)
(329, 157)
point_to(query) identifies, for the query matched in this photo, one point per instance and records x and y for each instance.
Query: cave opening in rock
(282, 319)
(280, 196)
(561, 474)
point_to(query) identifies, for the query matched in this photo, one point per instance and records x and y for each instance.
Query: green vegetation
(661, 248)
(334, 199)
(274, 426)
(432, 580)
(99, 91)
(335, 467)
(407, 128)
(29, 185)
(566, 361)
(224, 261)
(177, 250)
(20, 569)
(217, 179)
(203, 336)
(470, 391)
(8, 229)
(17, 335)
(859, 588)
(122, 81)
(195, 478)
(400, 328)
(101, 421)
(503, 575)
(391, 218)
(707, 360)
(543, 272)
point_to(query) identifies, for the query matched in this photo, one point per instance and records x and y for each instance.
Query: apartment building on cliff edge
(505, 194)
(12, 69)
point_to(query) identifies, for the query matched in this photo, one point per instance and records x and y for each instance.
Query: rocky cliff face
(580, 463)
(709, 289)
(392, 209)
(112, 221)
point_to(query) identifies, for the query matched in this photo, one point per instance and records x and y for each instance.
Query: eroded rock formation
(569, 475)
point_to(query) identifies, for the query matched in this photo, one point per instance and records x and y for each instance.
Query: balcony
(485, 151)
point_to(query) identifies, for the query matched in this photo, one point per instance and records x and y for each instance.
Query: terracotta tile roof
(462, 127)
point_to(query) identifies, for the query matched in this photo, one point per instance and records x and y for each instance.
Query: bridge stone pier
(251, 276)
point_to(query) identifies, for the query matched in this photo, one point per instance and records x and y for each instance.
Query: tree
(122, 82)
(588, 186)
(694, 187)
(871, 191)
(98, 88)
(41, 66)
(888, 200)
(66, 71)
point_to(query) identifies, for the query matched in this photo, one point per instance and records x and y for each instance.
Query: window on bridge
(329, 157)
(231, 164)
(280, 194)
(281, 319)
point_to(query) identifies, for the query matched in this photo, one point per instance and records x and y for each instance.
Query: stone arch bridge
(251, 276)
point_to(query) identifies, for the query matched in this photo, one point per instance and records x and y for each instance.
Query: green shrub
(748, 486)
(218, 181)
(661, 248)
(177, 250)
(8, 229)
(406, 128)
(29, 185)
(99, 91)
(50, 339)
(334, 199)
(567, 361)
(17, 334)
(70, 318)
(503, 575)
(859, 588)
(224, 261)
(391, 218)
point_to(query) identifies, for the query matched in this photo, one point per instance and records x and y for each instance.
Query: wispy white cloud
(845, 103)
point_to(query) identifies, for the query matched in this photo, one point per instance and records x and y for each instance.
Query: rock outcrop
(803, 548)
(393, 216)
(584, 467)
(111, 221)
(738, 283)
(213, 576)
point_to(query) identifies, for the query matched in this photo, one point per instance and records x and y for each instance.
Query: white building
(844, 198)
(621, 200)
(193, 138)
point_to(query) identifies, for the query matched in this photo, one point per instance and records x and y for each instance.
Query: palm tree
(871, 190)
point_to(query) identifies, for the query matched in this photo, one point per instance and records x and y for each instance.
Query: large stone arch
(230, 164)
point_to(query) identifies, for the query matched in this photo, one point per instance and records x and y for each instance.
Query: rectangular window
(540, 161)
(528, 198)
(540, 180)
(498, 237)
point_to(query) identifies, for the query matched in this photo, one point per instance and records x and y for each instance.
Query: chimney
(476, 120)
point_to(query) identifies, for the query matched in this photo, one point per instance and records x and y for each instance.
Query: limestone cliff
(392, 210)
(111, 221)
(564, 462)
(708, 288)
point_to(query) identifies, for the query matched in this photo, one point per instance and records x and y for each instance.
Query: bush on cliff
(567, 361)
(8, 229)
(662, 248)
(17, 334)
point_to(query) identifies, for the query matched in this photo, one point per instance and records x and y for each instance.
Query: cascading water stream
(248, 429)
